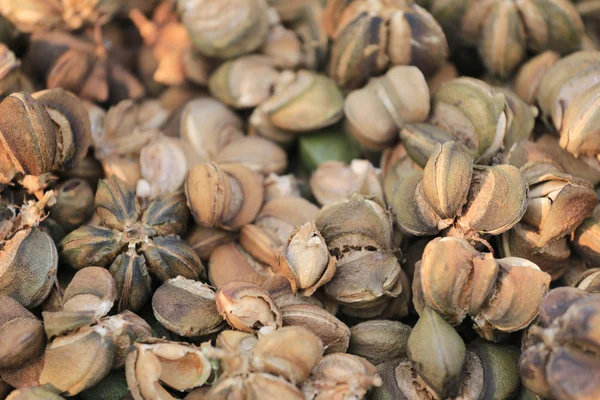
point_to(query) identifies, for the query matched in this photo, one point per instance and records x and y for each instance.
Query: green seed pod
(500, 369)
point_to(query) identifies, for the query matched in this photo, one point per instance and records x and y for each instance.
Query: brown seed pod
(379, 341)
(501, 295)
(91, 289)
(232, 263)
(334, 334)
(74, 204)
(154, 362)
(186, 307)
(21, 335)
(247, 307)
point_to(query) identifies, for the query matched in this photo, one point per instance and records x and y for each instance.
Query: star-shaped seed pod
(501, 295)
(134, 241)
(560, 354)
(451, 192)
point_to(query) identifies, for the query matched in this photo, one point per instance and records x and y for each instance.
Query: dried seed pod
(529, 77)
(559, 203)
(132, 280)
(247, 307)
(502, 45)
(74, 204)
(77, 361)
(378, 341)
(186, 307)
(564, 82)
(334, 181)
(125, 329)
(441, 366)
(232, 263)
(341, 375)
(29, 261)
(73, 125)
(504, 293)
(358, 234)
(334, 334)
(244, 82)
(281, 291)
(378, 111)
(205, 240)
(289, 10)
(522, 121)
(11, 78)
(303, 101)
(274, 225)
(29, 137)
(281, 186)
(255, 385)
(91, 289)
(589, 281)
(34, 393)
(283, 48)
(552, 365)
(215, 33)
(419, 141)
(59, 323)
(473, 113)
(578, 131)
(154, 362)
(228, 196)
(208, 126)
(258, 154)
(27, 376)
(587, 239)
(500, 369)
(381, 32)
(521, 241)
(305, 260)
(446, 73)
(22, 337)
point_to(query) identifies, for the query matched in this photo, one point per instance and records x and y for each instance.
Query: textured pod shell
(420, 141)
(91, 245)
(529, 77)
(28, 264)
(472, 112)
(225, 29)
(29, 141)
(186, 307)
(579, 130)
(379, 341)
(133, 282)
(91, 289)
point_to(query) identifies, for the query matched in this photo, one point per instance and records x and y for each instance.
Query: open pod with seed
(22, 337)
(335, 180)
(227, 196)
(587, 239)
(153, 363)
(368, 36)
(341, 375)
(186, 307)
(376, 112)
(568, 78)
(379, 341)
(305, 260)
(554, 364)
(358, 233)
(501, 296)
(334, 334)
(77, 361)
(274, 225)
(247, 307)
(244, 82)
(302, 101)
(473, 113)
(265, 367)
(134, 241)
(231, 34)
(207, 126)
(452, 192)
(91, 289)
(28, 255)
(74, 204)
(440, 366)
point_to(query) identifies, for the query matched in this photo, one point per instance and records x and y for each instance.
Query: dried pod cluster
(500, 295)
